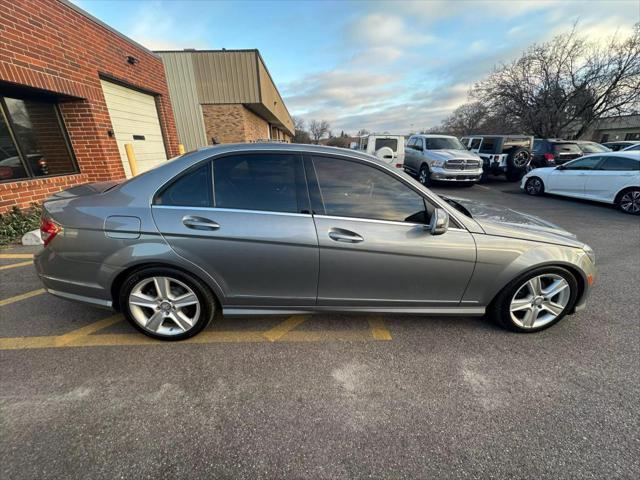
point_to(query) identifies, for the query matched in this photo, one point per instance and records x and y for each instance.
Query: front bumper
(445, 175)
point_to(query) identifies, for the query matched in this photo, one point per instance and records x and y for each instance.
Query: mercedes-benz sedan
(278, 229)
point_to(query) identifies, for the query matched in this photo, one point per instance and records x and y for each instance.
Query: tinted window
(475, 143)
(583, 164)
(392, 143)
(351, 189)
(634, 148)
(10, 164)
(488, 145)
(444, 143)
(192, 189)
(620, 163)
(266, 182)
(566, 148)
(538, 146)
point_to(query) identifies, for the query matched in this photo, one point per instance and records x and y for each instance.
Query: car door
(570, 178)
(614, 173)
(374, 248)
(410, 155)
(250, 228)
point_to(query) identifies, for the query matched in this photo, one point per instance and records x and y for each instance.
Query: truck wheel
(517, 162)
(424, 177)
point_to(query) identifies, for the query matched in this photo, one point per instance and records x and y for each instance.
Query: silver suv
(278, 228)
(441, 158)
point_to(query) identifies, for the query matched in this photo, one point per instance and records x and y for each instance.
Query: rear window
(488, 145)
(511, 142)
(566, 148)
(392, 143)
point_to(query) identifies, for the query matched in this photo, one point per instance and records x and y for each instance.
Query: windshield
(588, 147)
(444, 143)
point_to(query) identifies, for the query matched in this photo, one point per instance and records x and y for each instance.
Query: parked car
(588, 147)
(632, 148)
(282, 228)
(388, 148)
(441, 158)
(548, 152)
(610, 177)
(619, 145)
(508, 155)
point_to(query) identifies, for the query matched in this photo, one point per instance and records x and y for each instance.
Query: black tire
(205, 297)
(534, 186)
(499, 310)
(517, 162)
(424, 176)
(629, 201)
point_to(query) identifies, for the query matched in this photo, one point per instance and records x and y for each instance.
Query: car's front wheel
(536, 300)
(424, 176)
(629, 201)
(534, 186)
(166, 303)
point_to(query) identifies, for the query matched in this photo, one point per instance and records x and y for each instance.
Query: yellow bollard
(131, 156)
(181, 149)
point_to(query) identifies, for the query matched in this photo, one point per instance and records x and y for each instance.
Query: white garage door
(134, 118)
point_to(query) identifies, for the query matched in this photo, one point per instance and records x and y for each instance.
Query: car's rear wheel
(534, 186)
(166, 303)
(536, 300)
(424, 176)
(517, 162)
(629, 201)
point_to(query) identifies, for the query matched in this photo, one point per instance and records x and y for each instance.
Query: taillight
(398, 165)
(549, 157)
(48, 230)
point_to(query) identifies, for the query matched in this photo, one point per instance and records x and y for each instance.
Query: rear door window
(263, 181)
(192, 189)
(620, 164)
(588, 163)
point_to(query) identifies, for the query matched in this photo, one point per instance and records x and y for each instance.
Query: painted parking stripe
(23, 296)
(16, 255)
(378, 329)
(16, 265)
(280, 330)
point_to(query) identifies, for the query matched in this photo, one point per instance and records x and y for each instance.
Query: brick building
(73, 92)
(224, 96)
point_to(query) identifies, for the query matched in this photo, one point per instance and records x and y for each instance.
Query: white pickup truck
(441, 158)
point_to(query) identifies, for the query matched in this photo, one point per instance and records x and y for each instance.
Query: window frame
(308, 160)
(595, 167)
(4, 112)
(614, 157)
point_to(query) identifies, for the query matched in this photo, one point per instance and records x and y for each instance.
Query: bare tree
(565, 85)
(474, 118)
(301, 135)
(318, 129)
(362, 132)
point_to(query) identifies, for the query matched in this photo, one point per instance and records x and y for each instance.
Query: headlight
(590, 253)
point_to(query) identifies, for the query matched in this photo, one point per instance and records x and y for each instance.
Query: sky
(383, 66)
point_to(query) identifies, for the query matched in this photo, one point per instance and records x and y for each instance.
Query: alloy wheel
(533, 186)
(521, 159)
(164, 306)
(630, 202)
(423, 176)
(539, 301)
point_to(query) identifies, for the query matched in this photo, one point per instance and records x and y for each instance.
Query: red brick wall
(47, 45)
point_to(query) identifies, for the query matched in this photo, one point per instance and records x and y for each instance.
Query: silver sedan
(279, 229)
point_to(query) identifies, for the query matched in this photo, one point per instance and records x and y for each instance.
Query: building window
(632, 136)
(33, 141)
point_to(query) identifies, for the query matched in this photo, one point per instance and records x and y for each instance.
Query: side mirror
(439, 223)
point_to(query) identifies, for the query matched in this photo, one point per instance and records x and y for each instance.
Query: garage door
(134, 118)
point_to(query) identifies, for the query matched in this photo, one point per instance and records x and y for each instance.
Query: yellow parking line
(15, 265)
(16, 255)
(378, 329)
(23, 296)
(280, 330)
(75, 335)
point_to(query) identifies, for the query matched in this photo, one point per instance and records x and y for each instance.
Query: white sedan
(611, 177)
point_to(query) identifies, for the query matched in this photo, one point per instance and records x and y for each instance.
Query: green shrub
(16, 222)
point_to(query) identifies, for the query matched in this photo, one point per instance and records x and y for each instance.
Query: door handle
(346, 236)
(199, 223)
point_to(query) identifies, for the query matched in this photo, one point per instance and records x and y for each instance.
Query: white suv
(388, 148)
(441, 158)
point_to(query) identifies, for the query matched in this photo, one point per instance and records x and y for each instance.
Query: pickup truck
(441, 158)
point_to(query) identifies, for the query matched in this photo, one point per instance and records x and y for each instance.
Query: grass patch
(16, 223)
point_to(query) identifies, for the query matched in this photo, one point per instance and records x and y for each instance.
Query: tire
(424, 176)
(517, 162)
(162, 316)
(534, 186)
(520, 292)
(629, 201)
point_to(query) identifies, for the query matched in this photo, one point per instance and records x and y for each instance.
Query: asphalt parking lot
(83, 395)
